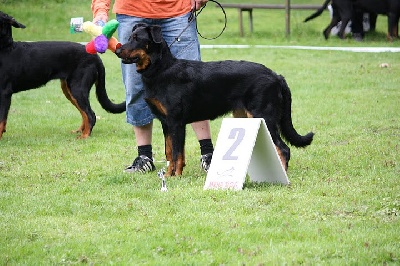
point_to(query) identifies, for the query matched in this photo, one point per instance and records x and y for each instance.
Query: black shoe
(142, 164)
(205, 161)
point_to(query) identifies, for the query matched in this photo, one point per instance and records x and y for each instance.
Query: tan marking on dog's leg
(248, 115)
(168, 155)
(241, 113)
(180, 163)
(283, 160)
(2, 127)
(157, 104)
(85, 126)
(176, 167)
(171, 168)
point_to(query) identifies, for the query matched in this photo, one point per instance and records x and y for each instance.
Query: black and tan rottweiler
(29, 65)
(183, 91)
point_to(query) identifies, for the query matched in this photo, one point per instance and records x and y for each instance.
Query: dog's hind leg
(281, 147)
(393, 21)
(283, 152)
(3, 124)
(68, 95)
(86, 126)
(327, 31)
(81, 102)
(283, 156)
(342, 30)
(5, 103)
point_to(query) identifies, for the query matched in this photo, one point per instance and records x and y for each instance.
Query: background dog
(345, 10)
(183, 91)
(29, 65)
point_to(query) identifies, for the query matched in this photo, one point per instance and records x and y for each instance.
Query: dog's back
(39, 62)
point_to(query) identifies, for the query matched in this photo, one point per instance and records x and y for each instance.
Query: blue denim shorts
(185, 47)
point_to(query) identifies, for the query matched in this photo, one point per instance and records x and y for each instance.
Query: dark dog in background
(342, 11)
(29, 65)
(346, 10)
(183, 91)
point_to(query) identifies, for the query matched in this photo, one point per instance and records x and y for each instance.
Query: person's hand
(100, 19)
(197, 4)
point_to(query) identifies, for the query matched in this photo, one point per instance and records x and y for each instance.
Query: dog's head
(6, 22)
(143, 47)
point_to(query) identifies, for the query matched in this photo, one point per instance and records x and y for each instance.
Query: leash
(193, 17)
(225, 21)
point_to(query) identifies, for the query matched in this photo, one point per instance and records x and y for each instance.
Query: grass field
(67, 201)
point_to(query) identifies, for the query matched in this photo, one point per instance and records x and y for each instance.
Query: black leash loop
(193, 17)
(225, 21)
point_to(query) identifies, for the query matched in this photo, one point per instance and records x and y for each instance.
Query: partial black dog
(342, 11)
(183, 91)
(345, 10)
(29, 65)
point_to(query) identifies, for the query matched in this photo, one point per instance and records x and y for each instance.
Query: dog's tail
(319, 11)
(101, 93)
(286, 126)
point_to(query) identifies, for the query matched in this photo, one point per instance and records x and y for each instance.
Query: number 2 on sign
(238, 135)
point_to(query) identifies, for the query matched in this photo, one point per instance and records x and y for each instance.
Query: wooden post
(251, 19)
(241, 22)
(287, 17)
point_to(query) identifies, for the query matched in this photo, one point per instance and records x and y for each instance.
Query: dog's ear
(5, 18)
(139, 25)
(155, 32)
(16, 24)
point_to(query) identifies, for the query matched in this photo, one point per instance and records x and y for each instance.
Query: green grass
(67, 201)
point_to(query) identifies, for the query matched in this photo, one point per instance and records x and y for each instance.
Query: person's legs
(138, 113)
(143, 134)
(184, 44)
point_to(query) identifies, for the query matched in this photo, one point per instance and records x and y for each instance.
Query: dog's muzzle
(125, 59)
(130, 60)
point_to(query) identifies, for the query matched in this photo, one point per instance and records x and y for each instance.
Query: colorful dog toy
(103, 38)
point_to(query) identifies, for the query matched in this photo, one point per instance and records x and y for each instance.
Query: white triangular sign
(243, 146)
